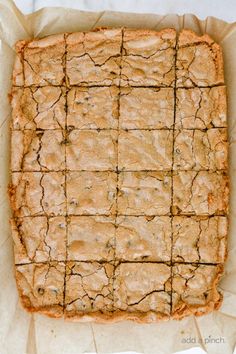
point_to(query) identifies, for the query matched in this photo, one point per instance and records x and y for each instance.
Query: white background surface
(223, 9)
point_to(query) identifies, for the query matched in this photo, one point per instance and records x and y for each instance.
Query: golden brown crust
(199, 61)
(119, 182)
(41, 287)
(199, 239)
(93, 58)
(18, 68)
(166, 33)
(39, 62)
(54, 311)
(93, 107)
(205, 300)
(188, 37)
(201, 150)
(41, 108)
(143, 50)
(200, 193)
(207, 297)
(201, 108)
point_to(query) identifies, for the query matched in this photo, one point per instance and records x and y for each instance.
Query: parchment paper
(21, 332)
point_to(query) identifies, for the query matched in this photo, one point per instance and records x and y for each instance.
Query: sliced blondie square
(194, 289)
(142, 297)
(148, 58)
(93, 58)
(41, 287)
(40, 62)
(39, 239)
(89, 291)
(144, 193)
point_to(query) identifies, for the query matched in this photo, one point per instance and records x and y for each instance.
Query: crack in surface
(117, 170)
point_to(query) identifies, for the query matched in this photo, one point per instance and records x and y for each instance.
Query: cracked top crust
(136, 103)
(123, 57)
(199, 239)
(39, 239)
(200, 193)
(40, 62)
(93, 58)
(38, 108)
(200, 150)
(195, 289)
(93, 107)
(140, 238)
(36, 193)
(41, 287)
(91, 238)
(89, 289)
(148, 58)
(37, 150)
(144, 193)
(119, 190)
(201, 108)
(199, 61)
(152, 298)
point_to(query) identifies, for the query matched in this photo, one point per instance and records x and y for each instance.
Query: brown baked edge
(214, 304)
(56, 311)
(188, 37)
